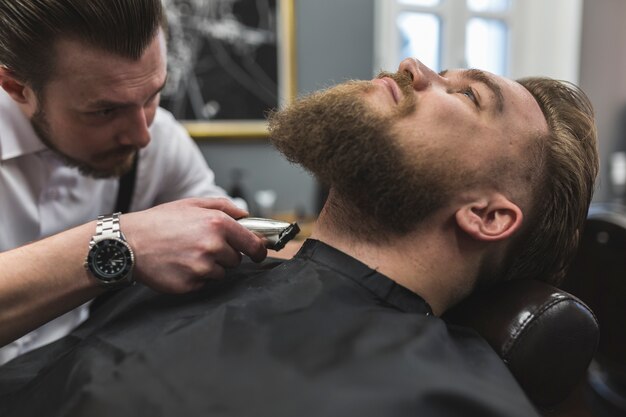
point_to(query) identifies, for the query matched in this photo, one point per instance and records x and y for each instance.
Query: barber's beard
(353, 149)
(126, 154)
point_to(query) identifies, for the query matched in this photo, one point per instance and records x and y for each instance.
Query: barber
(80, 83)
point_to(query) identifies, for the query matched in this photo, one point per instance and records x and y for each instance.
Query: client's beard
(351, 148)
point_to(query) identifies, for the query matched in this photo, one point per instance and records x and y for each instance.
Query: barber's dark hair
(30, 28)
(567, 159)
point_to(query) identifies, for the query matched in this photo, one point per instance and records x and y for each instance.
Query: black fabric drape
(319, 335)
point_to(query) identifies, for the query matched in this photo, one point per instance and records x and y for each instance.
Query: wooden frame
(246, 128)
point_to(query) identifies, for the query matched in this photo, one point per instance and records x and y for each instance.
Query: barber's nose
(137, 131)
(421, 75)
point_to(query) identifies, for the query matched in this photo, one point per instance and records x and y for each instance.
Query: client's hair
(568, 160)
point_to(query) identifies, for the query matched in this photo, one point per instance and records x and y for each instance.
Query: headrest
(546, 336)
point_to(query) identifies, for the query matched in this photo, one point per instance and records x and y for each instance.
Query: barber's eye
(103, 112)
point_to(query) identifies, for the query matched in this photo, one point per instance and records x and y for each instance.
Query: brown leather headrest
(546, 336)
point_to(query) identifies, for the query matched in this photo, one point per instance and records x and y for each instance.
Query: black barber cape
(319, 335)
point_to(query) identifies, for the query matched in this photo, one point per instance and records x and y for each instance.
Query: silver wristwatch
(110, 259)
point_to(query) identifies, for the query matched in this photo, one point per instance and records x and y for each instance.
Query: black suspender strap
(126, 188)
(122, 205)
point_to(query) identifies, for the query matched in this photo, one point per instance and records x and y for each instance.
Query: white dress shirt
(40, 196)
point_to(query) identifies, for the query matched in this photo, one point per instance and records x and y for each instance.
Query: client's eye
(469, 92)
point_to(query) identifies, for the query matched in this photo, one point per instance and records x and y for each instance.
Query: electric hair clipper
(277, 233)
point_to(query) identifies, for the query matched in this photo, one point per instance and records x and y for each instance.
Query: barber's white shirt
(40, 196)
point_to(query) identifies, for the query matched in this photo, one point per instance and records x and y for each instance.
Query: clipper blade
(277, 233)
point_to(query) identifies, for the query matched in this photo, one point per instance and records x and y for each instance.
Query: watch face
(110, 260)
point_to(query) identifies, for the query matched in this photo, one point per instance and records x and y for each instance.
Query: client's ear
(490, 219)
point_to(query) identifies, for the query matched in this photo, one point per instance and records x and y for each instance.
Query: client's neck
(423, 261)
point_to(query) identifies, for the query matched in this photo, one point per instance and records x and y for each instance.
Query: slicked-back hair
(568, 161)
(30, 28)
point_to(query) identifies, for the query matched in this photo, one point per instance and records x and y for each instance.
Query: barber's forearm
(43, 280)
(178, 246)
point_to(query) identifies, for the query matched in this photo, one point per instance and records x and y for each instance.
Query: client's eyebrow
(484, 78)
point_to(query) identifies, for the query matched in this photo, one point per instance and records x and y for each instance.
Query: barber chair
(546, 336)
(598, 277)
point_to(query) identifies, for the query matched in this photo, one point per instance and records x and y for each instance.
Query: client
(439, 184)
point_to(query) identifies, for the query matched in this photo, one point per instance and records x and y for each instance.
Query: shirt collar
(17, 136)
(383, 287)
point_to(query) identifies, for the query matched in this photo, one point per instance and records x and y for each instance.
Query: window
(513, 38)
(414, 26)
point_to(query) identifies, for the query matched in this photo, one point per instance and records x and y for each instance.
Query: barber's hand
(179, 245)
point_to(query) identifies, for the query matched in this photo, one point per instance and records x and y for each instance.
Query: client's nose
(421, 75)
